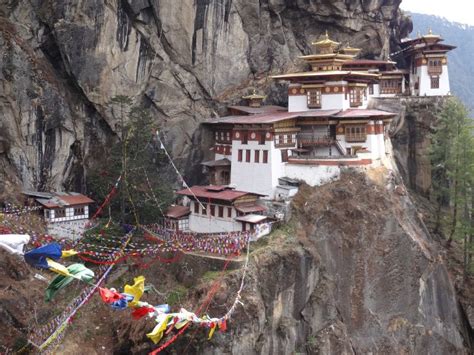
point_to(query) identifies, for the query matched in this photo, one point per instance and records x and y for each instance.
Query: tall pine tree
(137, 157)
(452, 157)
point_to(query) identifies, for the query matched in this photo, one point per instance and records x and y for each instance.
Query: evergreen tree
(143, 193)
(452, 157)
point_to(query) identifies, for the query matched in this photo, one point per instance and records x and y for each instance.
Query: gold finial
(327, 34)
(255, 91)
(430, 31)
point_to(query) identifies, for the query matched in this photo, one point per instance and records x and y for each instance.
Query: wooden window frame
(79, 211)
(220, 211)
(265, 157)
(248, 154)
(229, 212)
(434, 82)
(204, 210)
(257, 156)
(355, 133)
(355, 97)
(240, 155)
(213, 210)
(196, 207)
(314, 98)
(245, 137)
(371, 89)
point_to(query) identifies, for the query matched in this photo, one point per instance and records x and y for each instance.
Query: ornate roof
(326, 42)
(254, 96)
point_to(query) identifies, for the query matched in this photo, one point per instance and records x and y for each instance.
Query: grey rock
(63, 61)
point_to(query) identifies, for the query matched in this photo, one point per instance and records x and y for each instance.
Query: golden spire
(326, 45)
(254, 100)
(430, 34)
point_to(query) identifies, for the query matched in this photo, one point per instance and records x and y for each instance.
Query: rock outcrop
(63, 61)
(359, 275)
(410, 135)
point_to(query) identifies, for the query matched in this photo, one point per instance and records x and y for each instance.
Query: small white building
(177, 218)
(217, 209)
(428, 62)
(66, 213)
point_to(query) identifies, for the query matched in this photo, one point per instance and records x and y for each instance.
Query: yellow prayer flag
(68, 253)
(57, 267)
(211, 333)
(157, 333)
(181, 324)
(136, 290)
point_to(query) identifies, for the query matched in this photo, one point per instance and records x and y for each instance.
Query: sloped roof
(356, 113)
(281, 116)
(225, 194)
(316, 74)
(214, 163)
(64, 199)
(250, 207)
(257, 110)
(177, 212)
(251, 218)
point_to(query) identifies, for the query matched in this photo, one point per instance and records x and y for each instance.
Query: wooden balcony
(389, 91)
(308, 140)
(435, 70)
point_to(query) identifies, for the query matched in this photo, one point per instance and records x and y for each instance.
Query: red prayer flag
(109, 296)
(223, 326)
(141, 312)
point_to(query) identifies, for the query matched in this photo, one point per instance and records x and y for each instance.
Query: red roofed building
(62, 206)
(428, 64)
(177, 218)
(215, 209)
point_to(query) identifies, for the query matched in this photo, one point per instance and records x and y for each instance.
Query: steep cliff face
(356, 273)
(359, 275)
(410, 135)
(63, 61)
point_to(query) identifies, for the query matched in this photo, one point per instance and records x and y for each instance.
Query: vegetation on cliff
(452, 157)
(136, 158)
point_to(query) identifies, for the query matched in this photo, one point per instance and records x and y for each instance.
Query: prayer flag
(136, 290)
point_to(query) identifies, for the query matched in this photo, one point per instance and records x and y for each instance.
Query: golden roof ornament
(254, 100)
(430, 34)
(254, 96)
(351, 50)
(325, 42)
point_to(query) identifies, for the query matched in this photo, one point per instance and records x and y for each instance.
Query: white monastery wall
(297, 103)
(252, 176)
(312, 175)
(425, 83)
(201, 223)
(72, 230)
(206, 224)
(334, 102)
